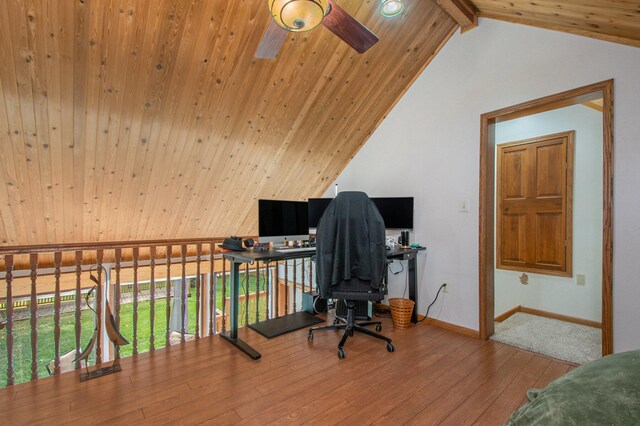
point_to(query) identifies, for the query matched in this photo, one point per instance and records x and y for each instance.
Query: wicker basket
(401, 310)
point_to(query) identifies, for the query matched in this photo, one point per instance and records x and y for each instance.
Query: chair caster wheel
(310, 336)
(379, 327)
(340, 353)
(390, 347)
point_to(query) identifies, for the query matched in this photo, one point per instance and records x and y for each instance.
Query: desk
(409, 255)
(237, 258)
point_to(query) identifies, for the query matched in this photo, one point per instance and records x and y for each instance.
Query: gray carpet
(557, 339)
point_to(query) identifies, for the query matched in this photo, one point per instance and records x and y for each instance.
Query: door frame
(604, 90)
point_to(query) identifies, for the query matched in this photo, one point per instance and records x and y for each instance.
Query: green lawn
(46, 348)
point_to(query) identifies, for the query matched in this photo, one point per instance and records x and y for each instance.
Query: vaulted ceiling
(149, 119)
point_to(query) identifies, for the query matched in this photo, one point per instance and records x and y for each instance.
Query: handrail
(46, 248)
(173, 268)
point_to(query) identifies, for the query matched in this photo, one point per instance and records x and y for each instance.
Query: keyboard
(296, 250)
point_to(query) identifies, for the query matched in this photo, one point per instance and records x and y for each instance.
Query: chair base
(349, 325)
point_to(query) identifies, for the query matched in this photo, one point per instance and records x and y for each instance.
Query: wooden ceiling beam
(462, 11)
(610, 20)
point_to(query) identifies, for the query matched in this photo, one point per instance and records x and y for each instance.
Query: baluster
(224, 294)
(57, 260)
(152, 295)
(78, 304)
(295, 284)
(168, 288)
(276, 289)
(286, 287)
(8, 264)
(258, 291)
(266, 288)
(136, 257)
(246, 293)
(183, 296)
(310, 274)
(198, 253)
(99, 257)
(302, 274)
(116, 295)
(212, 293)
(33, 261)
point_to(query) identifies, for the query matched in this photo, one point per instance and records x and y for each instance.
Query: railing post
(295, 284)
(212, 293)
(168, 289)
(267, 284)
(116, 295)
(183, 296)
(276, 290)
(310, 274)
(258, 291)
(136, 257)
(33, 263)
(246, 294)
(286, 287)
(198, 282)
(302, 273)
(224, 294)
(106, 294)
(78, 325)
(57, 260)
(152, 296)
(8, 263)
(99, 299)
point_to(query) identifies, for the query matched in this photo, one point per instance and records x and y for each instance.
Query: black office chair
(351, 261)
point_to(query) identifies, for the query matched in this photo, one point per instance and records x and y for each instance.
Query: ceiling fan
(305, 15)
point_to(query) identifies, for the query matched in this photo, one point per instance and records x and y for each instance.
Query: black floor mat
(286, 324)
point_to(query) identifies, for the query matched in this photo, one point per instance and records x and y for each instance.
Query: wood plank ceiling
(147, 119)
(612, 20)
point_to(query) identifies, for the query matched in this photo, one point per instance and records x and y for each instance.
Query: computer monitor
(282, 221)
(397, 212)
(317, 206)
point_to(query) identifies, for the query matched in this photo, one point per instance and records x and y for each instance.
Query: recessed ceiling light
(391, 8)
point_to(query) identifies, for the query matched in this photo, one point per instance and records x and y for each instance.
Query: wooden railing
(48, 284)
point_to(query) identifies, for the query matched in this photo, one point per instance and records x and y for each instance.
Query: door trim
(488, 121)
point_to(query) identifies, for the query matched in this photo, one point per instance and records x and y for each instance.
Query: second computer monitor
(397, 212)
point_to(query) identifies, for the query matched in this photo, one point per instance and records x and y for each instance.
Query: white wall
(550, 293)
(428, 147)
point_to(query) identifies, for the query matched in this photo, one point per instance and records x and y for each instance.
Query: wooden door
(534, 205)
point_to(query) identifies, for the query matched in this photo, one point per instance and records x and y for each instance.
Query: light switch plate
(464, 206)
(580, 279)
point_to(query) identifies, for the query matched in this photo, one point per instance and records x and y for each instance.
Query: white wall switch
(580, 279)
(464, 206)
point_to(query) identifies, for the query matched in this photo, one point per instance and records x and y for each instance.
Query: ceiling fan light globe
(298, 15)
(391, 8)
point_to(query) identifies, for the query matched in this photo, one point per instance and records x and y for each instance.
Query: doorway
(487, 253)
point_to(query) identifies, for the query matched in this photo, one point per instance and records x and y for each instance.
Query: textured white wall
(547, 292)
(428, 147)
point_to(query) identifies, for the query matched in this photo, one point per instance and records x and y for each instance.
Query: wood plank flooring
(435, 376)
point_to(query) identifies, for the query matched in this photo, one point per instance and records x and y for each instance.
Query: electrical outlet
(445, 289)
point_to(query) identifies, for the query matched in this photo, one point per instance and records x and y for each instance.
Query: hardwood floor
(435, 376)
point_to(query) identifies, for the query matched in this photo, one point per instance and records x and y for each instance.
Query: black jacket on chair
(350, 246)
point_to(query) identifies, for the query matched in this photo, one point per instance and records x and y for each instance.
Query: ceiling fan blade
(271, 41)
(345, 26)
